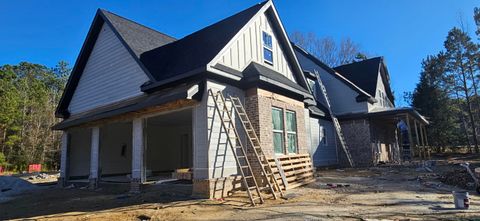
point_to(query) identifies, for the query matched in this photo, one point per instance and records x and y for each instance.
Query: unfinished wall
(215, 167)
(385, 141)
(164, 147)
(358, 138)
(78, 159)
(116, 148)
(324, 149)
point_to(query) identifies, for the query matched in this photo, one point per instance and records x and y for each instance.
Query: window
(267, 48)
(323, 135)
(291, 122)
(313, 87)
(277, 120)
(280, 133)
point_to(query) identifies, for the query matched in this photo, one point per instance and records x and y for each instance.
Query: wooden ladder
(267, 172)
(238, 150)
(338, 129)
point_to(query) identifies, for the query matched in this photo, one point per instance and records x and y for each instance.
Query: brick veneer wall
(358, 138)
(258, 105)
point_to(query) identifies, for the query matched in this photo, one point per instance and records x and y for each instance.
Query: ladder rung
(252, 187)
(248, 177)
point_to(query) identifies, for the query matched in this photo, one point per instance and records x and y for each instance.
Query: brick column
(62, 180)
(137, 155)
(94, 154)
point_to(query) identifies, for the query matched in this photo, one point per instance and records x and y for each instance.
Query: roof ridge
(224, 19)
(356, 62)
(132, 21)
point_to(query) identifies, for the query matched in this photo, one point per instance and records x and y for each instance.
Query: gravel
(11, 186)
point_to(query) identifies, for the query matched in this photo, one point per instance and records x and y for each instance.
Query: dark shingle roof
(197, 49)
(364, 74)
(138, 37)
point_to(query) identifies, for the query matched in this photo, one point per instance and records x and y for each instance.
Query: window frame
(266, 47)
(281, 131)
(294, 132)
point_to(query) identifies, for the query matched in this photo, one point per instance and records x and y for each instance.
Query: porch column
(426, 140)
(417, 138)
(94, 154)
(410, 138)
(62, 181)
(137, 155)
(422, 138)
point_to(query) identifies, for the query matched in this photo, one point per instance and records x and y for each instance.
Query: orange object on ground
(34, 168)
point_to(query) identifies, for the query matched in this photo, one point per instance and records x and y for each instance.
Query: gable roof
(363, 95)
(138, 37)
(365, 73)
(196, 50)
(163, 58)
(135, 37)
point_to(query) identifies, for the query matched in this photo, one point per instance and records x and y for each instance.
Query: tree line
(448, 91)
(29, 94)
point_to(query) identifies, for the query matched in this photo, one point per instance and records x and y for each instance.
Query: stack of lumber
(182, 174)
(293, 170)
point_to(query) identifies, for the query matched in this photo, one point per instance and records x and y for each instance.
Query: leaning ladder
(335, 120)
(238, 150)
(268, 174)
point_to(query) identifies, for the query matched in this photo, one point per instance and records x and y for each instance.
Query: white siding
(248, 47)
(381, 96)
(323, 154)
(110, 75)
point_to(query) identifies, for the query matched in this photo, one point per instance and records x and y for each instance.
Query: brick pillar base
(92, 183)
(135, 185)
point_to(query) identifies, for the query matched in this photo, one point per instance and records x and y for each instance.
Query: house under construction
(232, 106)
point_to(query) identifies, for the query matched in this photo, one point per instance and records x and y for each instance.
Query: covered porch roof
(187, 92)
(391, 113)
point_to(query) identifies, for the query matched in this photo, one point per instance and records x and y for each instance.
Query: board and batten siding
(322, 154)
(248, 46)
(110, 75)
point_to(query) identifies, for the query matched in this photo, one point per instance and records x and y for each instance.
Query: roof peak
(104, 11)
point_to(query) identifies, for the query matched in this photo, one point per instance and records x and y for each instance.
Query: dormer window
(267, 48)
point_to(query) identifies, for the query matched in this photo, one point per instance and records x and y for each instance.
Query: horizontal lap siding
(110, 75)
(323, 154)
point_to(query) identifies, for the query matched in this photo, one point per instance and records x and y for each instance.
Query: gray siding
(323, 154)
(213, 157)
(110, 75)
(342, 97)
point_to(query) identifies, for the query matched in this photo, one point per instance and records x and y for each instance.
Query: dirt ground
(405, 192)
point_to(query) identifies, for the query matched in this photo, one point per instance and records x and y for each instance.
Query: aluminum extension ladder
(239, 151)
(338, 129)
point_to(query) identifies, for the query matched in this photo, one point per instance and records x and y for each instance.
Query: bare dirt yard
(406, 192)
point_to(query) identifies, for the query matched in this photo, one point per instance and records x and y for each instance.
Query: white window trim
(266, 47)
(280, 131)
(291, 132)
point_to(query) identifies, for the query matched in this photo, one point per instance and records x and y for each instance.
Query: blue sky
(403, 31)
